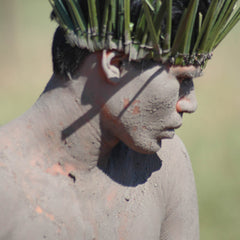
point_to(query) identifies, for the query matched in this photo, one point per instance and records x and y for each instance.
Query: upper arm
(181, 220)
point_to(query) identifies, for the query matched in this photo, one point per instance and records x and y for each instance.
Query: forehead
(185, 71)
(177, 71)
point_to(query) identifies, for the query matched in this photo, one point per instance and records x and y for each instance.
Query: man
(96, 156)
(51, 161)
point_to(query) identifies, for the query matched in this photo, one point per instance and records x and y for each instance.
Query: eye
(180, 79)
(183, 79)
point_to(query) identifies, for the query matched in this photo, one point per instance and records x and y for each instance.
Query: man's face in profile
(143, 111)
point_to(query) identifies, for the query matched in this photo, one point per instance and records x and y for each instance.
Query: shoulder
(175, 145)
(179, 191)
(176, 164)
(177, 174)
(174, 153)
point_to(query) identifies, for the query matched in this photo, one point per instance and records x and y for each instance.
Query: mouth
(166, 134)
(177, 126)
(170, 132)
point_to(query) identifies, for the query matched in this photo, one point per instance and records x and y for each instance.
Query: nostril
(186, 104)
(178, 107)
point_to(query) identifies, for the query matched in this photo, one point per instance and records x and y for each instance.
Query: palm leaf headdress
(108, 25)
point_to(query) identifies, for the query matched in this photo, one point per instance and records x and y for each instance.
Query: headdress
(107, 25)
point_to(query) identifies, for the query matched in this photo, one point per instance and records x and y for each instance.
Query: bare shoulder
(174, 153)
(177, 172)
(9, 133)
(176, 165)
(172, 146)
(180, 191)
(5, 145)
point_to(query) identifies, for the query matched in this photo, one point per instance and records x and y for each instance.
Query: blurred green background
(211, 135)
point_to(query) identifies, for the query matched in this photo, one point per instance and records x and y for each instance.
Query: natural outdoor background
(211, 135)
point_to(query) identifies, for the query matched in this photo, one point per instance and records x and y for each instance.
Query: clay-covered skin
(143, 110)
(72, 167)
(142, 197)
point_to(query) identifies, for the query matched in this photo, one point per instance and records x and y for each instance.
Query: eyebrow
(185, 71)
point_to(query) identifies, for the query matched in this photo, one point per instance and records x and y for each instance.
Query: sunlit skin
(96, 156)
(146, 94)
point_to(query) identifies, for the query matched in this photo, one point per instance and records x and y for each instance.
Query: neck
(72, 124)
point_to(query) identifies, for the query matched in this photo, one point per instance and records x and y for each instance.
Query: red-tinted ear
(110, 63)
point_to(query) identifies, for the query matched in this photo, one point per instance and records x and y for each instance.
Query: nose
(187, 99)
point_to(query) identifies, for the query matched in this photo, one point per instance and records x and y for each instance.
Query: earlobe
(111, 71)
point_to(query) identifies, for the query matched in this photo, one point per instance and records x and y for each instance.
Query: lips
(173, 126)
(167, 133)
(177, 126)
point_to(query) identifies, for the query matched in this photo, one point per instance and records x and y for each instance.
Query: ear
(111, 66)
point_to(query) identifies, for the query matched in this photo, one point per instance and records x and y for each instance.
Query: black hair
(67, 59)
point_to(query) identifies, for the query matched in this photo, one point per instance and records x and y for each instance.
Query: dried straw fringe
(113, 29)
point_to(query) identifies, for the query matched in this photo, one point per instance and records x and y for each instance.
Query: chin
(147, 147)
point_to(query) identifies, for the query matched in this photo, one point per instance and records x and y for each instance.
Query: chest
(95, 209)
(122, 212)
(127, 201)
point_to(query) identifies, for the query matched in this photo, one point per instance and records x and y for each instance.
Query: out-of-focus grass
(25, 54)
(211, 135)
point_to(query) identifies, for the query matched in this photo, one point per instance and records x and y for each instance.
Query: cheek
(131, 106)
(161, 103)
(151, 107)
(129, 112)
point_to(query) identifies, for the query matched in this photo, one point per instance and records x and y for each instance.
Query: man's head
(148, 101)
(141, 102)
